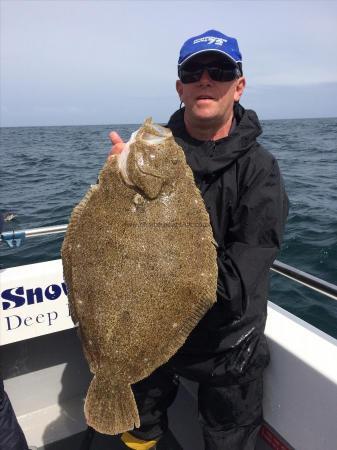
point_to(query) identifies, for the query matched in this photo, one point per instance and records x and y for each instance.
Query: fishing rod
(15, 239)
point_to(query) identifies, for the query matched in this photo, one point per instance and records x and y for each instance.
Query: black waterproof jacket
(244, 194)
(11, 435)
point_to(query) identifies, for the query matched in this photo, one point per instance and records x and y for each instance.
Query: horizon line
(160, 123)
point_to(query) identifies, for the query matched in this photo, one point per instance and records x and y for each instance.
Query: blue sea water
(45, 171)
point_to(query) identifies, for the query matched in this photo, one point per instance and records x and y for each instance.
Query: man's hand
(117, 143)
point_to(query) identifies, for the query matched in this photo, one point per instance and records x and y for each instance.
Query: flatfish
(139, 263)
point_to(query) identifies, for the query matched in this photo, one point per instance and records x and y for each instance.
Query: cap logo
(210, 40)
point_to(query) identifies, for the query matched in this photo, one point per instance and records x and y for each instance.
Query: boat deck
(102, 442)
(185, 434)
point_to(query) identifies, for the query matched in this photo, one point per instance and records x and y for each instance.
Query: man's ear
(240, 86)
(179, 88)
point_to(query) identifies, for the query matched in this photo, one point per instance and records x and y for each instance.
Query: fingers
(117, 148)
(117, 143)
(115, 138)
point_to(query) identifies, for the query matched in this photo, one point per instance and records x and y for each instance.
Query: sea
(45, 171)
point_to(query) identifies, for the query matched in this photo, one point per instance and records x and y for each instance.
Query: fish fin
(66, 251)
(110, 409)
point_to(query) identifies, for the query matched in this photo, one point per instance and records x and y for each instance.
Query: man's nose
(205, 78)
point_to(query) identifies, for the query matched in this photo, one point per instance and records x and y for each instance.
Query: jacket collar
(205, 157)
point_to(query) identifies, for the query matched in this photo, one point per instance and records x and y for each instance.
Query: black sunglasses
(218, 71)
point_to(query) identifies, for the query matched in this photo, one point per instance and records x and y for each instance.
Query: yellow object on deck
(136, 444)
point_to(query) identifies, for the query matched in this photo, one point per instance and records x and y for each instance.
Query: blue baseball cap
(210, 41)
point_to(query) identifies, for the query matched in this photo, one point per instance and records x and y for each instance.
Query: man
(243, 191)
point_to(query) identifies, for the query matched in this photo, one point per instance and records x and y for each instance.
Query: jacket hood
(205, 157)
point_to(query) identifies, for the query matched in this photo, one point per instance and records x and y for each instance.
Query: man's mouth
(205, 97)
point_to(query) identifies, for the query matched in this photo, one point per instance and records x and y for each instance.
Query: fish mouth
(153, 135)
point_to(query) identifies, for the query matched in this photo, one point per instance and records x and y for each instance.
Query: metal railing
(304, 278)
(15, 239)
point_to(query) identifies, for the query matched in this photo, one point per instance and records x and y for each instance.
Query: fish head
(151, 159)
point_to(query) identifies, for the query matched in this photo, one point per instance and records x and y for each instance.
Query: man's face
(207, 100)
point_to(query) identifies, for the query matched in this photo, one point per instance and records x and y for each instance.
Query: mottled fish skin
(140, 266)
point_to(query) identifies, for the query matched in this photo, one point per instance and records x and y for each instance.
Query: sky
(82, 62)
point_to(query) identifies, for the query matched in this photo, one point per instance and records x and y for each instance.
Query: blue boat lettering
(15, 321)
(13, 300)
(17, 297)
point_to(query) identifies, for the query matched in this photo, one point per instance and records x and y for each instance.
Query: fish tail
(110, 409)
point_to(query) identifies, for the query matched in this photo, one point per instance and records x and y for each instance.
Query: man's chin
(204, 114)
